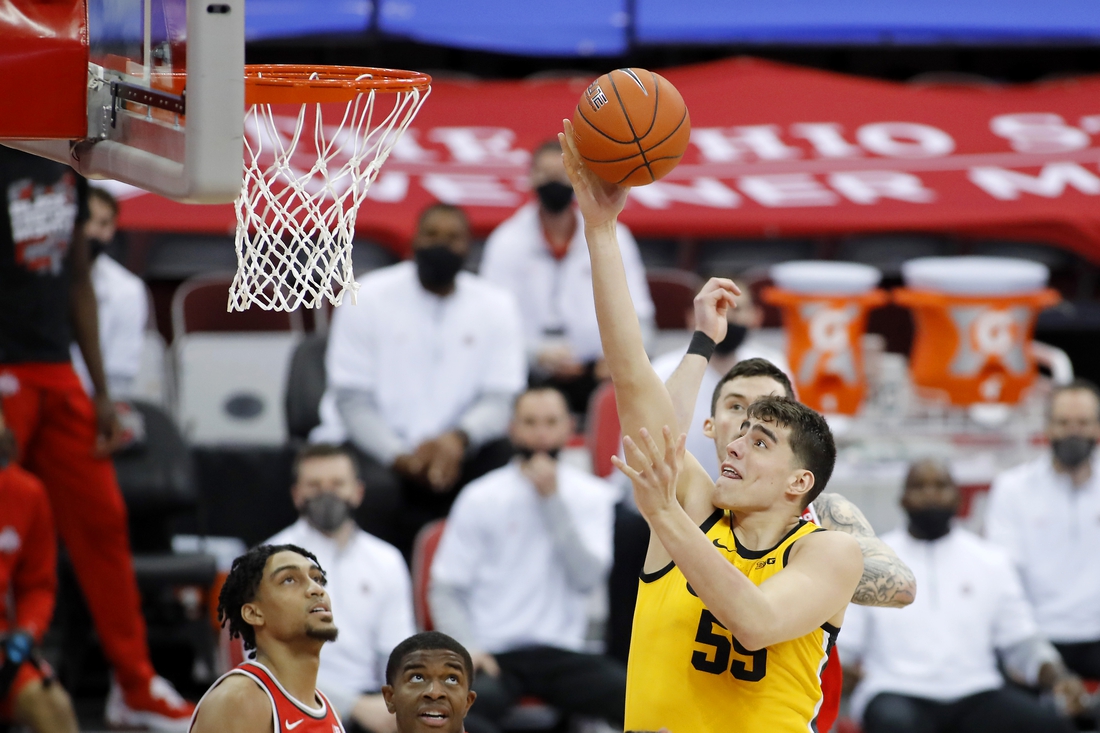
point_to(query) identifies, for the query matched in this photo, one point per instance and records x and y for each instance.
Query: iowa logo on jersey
(763, 563)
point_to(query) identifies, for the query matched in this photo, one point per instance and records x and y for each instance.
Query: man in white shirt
(1046, 514)
(931, 667)
(540, 255)
(739, 344)
(421, 377)
(368, 583)
(523, 549)
(121, 298)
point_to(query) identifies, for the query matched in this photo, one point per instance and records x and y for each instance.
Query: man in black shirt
(47, 301)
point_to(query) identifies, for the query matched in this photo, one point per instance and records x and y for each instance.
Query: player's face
(541, 421)
(446, 228)
(732, 408)
(431, 692)
(291, 602)
(758, 468)
(101, 221)
(327, 475)
(1074, 412)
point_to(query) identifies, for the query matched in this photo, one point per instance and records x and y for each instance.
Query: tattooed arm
(886, 581)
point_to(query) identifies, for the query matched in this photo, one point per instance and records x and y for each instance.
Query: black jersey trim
(705, 527)
(747, 554)
(787, 552)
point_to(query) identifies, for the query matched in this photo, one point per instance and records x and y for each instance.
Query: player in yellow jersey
(740, 598)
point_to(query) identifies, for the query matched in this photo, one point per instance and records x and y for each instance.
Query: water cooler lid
(975, 275)
(823, 277)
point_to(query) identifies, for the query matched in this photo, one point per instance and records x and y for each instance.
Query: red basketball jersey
(291, 715)
(831, 677)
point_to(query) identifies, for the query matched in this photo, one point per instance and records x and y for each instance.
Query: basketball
(631, 127)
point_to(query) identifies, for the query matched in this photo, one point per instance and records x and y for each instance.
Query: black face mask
(735, 335)
(326, 512)
(930, 523)
(555, 196)
(96, 247)
(1072, 450)
(528, 453)
(437, 266)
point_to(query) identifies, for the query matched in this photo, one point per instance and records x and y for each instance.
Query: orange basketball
(631, 127)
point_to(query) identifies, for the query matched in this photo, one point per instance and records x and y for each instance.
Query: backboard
(162, 105)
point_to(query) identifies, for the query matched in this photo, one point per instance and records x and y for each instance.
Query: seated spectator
(368, 583)
(931, 667)
(522, 550)
(540, 255)
(428, 681)
(121, 298)
(421, 376)
(28, 589)
(741, 342)
(1046, 514)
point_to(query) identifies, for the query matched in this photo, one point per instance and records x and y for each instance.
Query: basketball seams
(674, 131)
(630, 123)
(596, 129)
(656, 104)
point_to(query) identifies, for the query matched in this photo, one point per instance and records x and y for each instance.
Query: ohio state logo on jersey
(42, 219)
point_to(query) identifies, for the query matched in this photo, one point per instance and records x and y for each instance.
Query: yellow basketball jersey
(687, 673)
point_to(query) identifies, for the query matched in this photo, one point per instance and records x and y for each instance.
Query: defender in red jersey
(275, 600)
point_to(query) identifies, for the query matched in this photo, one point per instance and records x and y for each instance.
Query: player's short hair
(755, 367)
(809, 434)
(552, 145)
(1082, 385)
(241, 586)
(446, 208)
(423, 642)
(322, 450)
(105, 197)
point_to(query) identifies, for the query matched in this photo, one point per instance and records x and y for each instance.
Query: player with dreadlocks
(274, 600)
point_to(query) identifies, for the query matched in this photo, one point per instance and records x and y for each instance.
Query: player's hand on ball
(653, 472)
(711, 305)
(600, 201)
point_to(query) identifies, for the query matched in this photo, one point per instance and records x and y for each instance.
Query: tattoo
(886, 581)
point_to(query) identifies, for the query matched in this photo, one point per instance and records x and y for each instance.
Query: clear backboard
(164, 95)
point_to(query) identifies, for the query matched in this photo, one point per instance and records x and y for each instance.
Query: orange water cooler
(825, 306)
(974, 320)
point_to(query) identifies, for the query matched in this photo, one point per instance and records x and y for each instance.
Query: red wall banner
(775, 151)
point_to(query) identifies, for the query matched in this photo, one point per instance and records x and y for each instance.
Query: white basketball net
(297, 208)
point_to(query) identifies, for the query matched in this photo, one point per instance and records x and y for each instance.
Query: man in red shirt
(64, 438)
(28, 587)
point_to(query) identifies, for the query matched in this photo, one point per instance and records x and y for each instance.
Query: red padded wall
(44, 68)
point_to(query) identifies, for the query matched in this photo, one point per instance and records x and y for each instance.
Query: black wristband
(702, 345)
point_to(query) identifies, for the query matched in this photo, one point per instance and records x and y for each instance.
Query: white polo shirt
(1052, 533)
(425, 358)
(123, 307)
(698, 444)
(368, 584)
(553, 294)
(497, 550)
(943, 645)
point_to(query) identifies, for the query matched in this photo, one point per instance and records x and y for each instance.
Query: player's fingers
(652, 450)
(627, 471)
(632, 450)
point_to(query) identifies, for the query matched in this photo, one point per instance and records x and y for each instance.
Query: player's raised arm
(711, 304)
(642, 398)
(886, 581)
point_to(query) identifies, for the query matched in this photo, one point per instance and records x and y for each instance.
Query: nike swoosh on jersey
(295, 724)
(719, 544)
